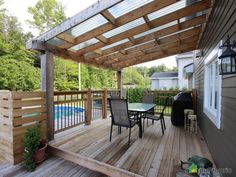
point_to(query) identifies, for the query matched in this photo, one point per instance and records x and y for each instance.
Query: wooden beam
(149, 24)
(189, 10)
(107, 15)
(69, 55)
(47, 85)
(119, 81)
(156, 54)
(209, 14)
(146, 38)
(88, 115)
(135, 51)
(91, 11)
(91, 163)
(132, 40)
(102, 39)
(104, 104)
(98, 51)
(135, 14)
(66, 37)
(174, 51)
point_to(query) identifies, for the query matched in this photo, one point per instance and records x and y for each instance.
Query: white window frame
(213, 115)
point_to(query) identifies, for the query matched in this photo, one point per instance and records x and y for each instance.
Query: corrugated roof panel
(87, 25)
(124, 28)
(85, 44)
(155, 29)
(139, 44)
(127, 6)
(56, 41)
(115, 44)
(167, 10)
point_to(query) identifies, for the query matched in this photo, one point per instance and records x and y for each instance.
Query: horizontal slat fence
(18, 112)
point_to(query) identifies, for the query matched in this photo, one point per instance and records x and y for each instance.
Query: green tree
(131, 75)
(18, 75)
(159, 68)
(16, 67)
(46, 15)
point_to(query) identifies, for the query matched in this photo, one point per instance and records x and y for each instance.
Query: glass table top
(140, 107)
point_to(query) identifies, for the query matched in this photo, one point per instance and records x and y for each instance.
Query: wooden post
(47, 85)
(88, 117)
(104, 104)
(119, 81)
(194, 95)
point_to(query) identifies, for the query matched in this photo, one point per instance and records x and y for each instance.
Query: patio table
(140, 109)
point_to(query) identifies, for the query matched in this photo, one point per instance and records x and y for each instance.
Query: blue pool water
(63, 111)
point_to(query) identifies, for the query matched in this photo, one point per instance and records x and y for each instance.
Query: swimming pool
(65, 111)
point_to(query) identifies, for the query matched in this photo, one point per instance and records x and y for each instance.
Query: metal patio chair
(120, 116)
(160, 117)
(148, 98)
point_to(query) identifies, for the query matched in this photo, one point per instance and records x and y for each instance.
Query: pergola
(115, 34)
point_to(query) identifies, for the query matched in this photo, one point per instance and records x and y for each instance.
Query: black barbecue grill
(181, 101)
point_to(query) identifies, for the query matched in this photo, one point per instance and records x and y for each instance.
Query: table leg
(140, 126)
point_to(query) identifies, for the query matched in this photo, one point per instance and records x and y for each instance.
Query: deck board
(52, 167)
(153, 155)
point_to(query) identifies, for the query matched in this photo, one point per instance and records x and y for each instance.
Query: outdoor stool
(186, 121)
(193, 123)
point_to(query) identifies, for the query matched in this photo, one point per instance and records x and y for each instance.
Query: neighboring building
(188, 73)
(183, 60)
(179, 79)
(164, 80)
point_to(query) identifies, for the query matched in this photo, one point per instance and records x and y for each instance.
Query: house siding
(221, 142)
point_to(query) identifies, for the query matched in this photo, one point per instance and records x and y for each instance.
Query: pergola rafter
(124, 39)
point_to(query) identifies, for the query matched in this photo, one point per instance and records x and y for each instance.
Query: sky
(19, 8)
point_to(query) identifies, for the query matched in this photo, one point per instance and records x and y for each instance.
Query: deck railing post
(47, 85)
(119, 82)
(88, 116)
(104, 104)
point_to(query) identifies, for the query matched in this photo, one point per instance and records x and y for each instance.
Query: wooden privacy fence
(72, 108)
(18, 112)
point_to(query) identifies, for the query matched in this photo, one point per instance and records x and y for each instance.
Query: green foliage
(135, 95)
(97, 78)
(133, 75)
(16, 67)
(18, 75)
(46, 15)
(31, 143)
(160, 68)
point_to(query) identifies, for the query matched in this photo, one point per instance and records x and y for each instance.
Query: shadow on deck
(153, 155)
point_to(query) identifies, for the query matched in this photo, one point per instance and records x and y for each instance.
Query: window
(212, 88)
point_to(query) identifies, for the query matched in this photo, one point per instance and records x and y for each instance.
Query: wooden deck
(153, 155)
(52, 167)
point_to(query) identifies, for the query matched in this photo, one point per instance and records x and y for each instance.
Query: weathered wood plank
(91, 163)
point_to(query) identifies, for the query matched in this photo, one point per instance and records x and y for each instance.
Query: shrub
(32, 143)
(135, 95)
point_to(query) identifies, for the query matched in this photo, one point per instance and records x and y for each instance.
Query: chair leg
(164, 122)
(129, 136)
(119, 129)
(143, 124)
(162, 127)
(111, 133)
